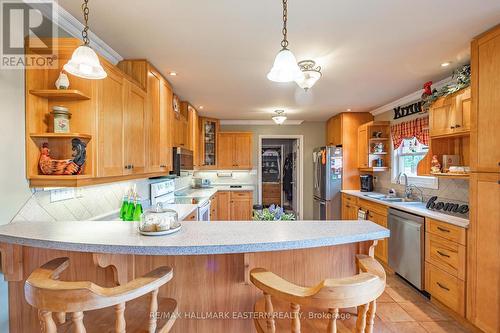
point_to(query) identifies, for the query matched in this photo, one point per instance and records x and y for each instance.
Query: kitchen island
(211, 261)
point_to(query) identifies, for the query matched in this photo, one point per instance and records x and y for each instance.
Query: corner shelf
(379, 139)
(60, 94)
(61, 135)
(381, 153)
(374, 169)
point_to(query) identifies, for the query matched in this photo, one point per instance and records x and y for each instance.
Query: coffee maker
(366, 182)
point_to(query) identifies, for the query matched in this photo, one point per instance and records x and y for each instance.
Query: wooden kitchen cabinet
(363, 147)
(271, 194)
(213, 207)
(349, 207)
(235, 150)
(159, 104)
(223, 205)
(342, 129)
(234, 205)
(209, 143)
(377, 213)
(485, 116)
(134, 127)
(194, 133)
(241, 205)
(450, 115)
(111, 107)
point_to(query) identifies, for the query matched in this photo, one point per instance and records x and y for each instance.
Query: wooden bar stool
(321, 303)
(44, 291)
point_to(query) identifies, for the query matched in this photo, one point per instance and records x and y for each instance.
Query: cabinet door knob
(452, 127)
(132, 166)
(457, 126)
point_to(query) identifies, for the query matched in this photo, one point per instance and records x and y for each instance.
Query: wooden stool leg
(371, 317)
(61, 317)
(153, 311)
(78, 321)
(120, 318)
(295, 317)
(361, 322)
(47, 323)
(332, 323)
(271, 326)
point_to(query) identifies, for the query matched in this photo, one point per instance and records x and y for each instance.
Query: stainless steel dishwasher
(406, 246)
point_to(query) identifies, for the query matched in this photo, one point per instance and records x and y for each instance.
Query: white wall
(14, 190)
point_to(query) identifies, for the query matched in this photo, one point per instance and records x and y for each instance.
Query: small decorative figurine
(62, 81)
(74, 166)
(435, 165)
(378, 147)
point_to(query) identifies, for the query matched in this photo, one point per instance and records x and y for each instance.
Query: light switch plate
(62, 194)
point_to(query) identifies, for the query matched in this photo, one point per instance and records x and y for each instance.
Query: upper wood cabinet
(342, 129)
(485, 130)
(334, 131)
(209, 141)
(194, 134)
(159, 104)
(450, 115)
(235, 150)
(110, 113)
(134, 129)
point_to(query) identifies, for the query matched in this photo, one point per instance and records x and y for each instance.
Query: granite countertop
(194, 238)
(415, 208)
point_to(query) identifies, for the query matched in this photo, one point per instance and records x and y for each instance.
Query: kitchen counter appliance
(182, 160)
(406, 246)
(327, 181)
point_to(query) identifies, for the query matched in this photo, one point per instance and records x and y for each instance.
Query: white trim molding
(413, 97)
(259, 122)
(73, 27)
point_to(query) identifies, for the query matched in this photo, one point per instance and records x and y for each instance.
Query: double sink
(399, 200)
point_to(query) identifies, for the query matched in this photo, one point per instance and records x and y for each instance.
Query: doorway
(280, 172)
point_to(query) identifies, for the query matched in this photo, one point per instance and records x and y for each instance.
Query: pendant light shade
(280, 117)
(285, 68)
(85, 63)
(311, 74)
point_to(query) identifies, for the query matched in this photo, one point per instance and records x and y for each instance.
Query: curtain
(418, 128)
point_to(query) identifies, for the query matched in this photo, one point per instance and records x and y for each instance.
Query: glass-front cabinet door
(210, 129)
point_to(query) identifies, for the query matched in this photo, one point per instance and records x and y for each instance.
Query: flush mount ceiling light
(280, 117)
(285, 68)
(312, 74)
(84, 62)
(446, 64)
(172, 73)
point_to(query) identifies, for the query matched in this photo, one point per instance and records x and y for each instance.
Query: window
(406, 159)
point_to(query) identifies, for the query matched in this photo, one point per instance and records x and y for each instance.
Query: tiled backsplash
(90, 202)
(451, 189)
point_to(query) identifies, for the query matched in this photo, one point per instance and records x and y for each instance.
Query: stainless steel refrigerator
(327, 183)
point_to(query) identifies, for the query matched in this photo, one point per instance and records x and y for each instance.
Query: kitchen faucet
(409, 187)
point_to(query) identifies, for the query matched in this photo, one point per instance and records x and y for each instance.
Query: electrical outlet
(375, 179)
(62, 194)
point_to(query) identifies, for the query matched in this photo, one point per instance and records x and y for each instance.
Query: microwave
(182, 160)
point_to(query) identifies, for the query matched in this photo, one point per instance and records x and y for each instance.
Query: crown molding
(74, 28)
(259, 122)
(413, 97)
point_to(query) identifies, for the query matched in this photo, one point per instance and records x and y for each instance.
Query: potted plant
(273, 213)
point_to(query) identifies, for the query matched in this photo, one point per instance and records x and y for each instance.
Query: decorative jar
(158, 219)
(61, 119)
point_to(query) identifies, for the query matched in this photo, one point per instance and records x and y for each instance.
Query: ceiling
(372, 52)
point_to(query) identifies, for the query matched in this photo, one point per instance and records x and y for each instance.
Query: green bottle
(137, 210)
(124, 207)
(129, 214)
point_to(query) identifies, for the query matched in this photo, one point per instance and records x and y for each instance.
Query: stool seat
(136, 317)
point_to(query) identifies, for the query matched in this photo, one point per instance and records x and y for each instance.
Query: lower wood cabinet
(213, 207)
(191, 217)
(271, 194)
(234, 205)
(349, 207)
(445, 260)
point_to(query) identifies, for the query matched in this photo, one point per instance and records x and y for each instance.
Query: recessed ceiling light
(349, 110)
(172, 73)
(446, 64)
(201, 107)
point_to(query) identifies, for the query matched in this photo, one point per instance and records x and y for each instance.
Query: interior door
(295, 179)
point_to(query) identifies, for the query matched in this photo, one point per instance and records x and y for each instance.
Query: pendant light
(84, 62)
(280, 117)
(311, 74)
(285, 68)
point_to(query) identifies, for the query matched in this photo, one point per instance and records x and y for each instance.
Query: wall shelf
(60, 94)
(381, 153)
(374, 169)
(379, 139)
(451, 175)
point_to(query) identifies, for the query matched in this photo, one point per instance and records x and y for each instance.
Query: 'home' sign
(447, 207)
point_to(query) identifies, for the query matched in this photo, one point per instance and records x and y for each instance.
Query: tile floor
(402, 309)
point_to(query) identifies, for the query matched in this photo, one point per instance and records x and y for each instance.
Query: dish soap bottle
(136, 216)
(125, 204)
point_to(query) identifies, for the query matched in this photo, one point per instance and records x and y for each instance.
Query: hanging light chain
(284, 42)
(85, 10)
